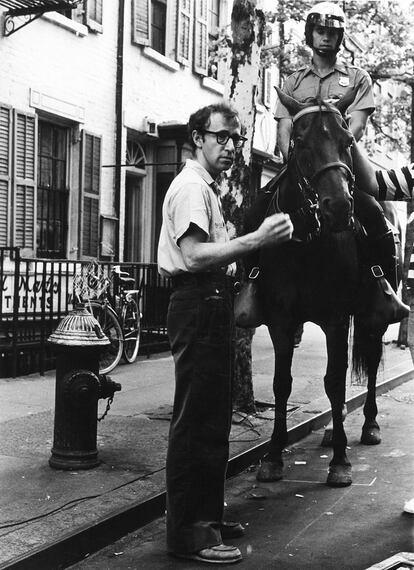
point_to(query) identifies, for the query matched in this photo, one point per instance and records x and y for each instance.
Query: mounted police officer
(331, 79)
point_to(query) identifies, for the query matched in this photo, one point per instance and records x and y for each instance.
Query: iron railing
(37, 293)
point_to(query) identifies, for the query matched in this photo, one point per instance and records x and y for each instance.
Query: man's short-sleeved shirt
(190, 199)
(396, 184)
(306, 83)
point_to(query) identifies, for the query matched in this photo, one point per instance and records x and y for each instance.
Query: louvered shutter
(24, 204)
(184, 30)
(94, 15)
(267, 87)
(90, 192)
(5, 172)
(200, 38)
(142, 22)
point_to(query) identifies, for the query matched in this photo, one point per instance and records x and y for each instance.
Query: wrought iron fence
(37, 293)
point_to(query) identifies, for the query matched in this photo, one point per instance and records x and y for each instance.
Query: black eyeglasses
(223, 137)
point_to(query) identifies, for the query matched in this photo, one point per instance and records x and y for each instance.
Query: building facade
(94, 101)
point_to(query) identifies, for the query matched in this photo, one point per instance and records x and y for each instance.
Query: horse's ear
(346, 100)
(290, 103)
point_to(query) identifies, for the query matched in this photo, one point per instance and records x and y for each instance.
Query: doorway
(133, 243)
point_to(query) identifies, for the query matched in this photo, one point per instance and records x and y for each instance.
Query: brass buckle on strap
(377, 271)
(254, 273)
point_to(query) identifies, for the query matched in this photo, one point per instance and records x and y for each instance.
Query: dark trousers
(200, 329)
(370, 214)
(368, 210)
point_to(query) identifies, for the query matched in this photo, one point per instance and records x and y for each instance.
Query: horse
(318, 276)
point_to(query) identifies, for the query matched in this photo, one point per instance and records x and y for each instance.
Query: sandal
(220, 554)
(231, 530)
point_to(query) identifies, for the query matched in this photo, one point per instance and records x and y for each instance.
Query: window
(150, 24)
(75, 14)
(158, 25)
(52, 191)
(94, 10)
(213, 17)
(213, 32)
(88, 12)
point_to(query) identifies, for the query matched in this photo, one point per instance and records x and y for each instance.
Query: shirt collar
(338, 66)
(201, 171)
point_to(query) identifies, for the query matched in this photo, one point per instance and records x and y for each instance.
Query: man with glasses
(196, 252)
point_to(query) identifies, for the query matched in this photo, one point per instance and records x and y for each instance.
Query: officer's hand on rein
(275, 229)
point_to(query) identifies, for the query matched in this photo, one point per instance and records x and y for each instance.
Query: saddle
(379, 306)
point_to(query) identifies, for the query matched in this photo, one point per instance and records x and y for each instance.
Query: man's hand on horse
(275, 229)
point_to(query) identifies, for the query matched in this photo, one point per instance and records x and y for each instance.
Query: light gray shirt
(190, 199)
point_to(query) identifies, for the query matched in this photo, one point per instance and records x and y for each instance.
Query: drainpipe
(118, 118)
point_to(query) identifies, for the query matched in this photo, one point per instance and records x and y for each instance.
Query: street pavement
(301, 524)
(39, 506)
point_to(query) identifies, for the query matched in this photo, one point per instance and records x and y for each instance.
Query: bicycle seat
(126, 280)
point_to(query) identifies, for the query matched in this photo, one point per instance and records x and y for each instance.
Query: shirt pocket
(336, 90)
(302, 93)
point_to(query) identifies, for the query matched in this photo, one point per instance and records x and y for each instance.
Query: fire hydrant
(78, 341)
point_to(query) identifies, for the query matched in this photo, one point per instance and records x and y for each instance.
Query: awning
(31, 7)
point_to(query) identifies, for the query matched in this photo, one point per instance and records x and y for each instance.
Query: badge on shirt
(343, 81)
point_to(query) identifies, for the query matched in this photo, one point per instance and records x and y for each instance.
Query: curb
(75, 546)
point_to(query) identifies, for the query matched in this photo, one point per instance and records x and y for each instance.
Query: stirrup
(386, 307)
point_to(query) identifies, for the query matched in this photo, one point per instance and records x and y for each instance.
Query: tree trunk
(247, 23)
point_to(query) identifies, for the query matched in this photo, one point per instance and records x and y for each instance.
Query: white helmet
(328, 15)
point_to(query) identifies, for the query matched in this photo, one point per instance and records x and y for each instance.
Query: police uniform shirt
(190, 199)
(306, 83)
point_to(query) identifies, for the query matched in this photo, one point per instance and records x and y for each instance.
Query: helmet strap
(326, 53)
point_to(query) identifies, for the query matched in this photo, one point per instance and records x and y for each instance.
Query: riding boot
(383, 306)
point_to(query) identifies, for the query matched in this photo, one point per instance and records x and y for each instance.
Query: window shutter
(90, 192)
(223, 13)
(5, 179)
(142, 22)
(201, 38)
(267, 87)
(184, 31)
(94, 15)
(24, 180)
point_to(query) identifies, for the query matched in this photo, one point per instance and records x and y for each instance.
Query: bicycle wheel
(131, 326)
(111, 354)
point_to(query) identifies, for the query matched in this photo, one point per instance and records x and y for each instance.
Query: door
(133, 218)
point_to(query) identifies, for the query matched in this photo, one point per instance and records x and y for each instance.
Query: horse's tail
(367, 351)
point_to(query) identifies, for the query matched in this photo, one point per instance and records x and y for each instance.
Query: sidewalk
(40, 505)
(301, 524)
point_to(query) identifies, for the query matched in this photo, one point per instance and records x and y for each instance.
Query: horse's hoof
(371, 436)
(270, 471)
(339, 476)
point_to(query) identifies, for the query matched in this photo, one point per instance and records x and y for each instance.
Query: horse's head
(321, 157)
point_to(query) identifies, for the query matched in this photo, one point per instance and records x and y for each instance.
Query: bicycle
(117, 313)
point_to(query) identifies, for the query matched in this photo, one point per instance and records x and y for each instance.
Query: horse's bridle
(306, 186)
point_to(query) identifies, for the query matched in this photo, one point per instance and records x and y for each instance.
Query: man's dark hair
(200, 120)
